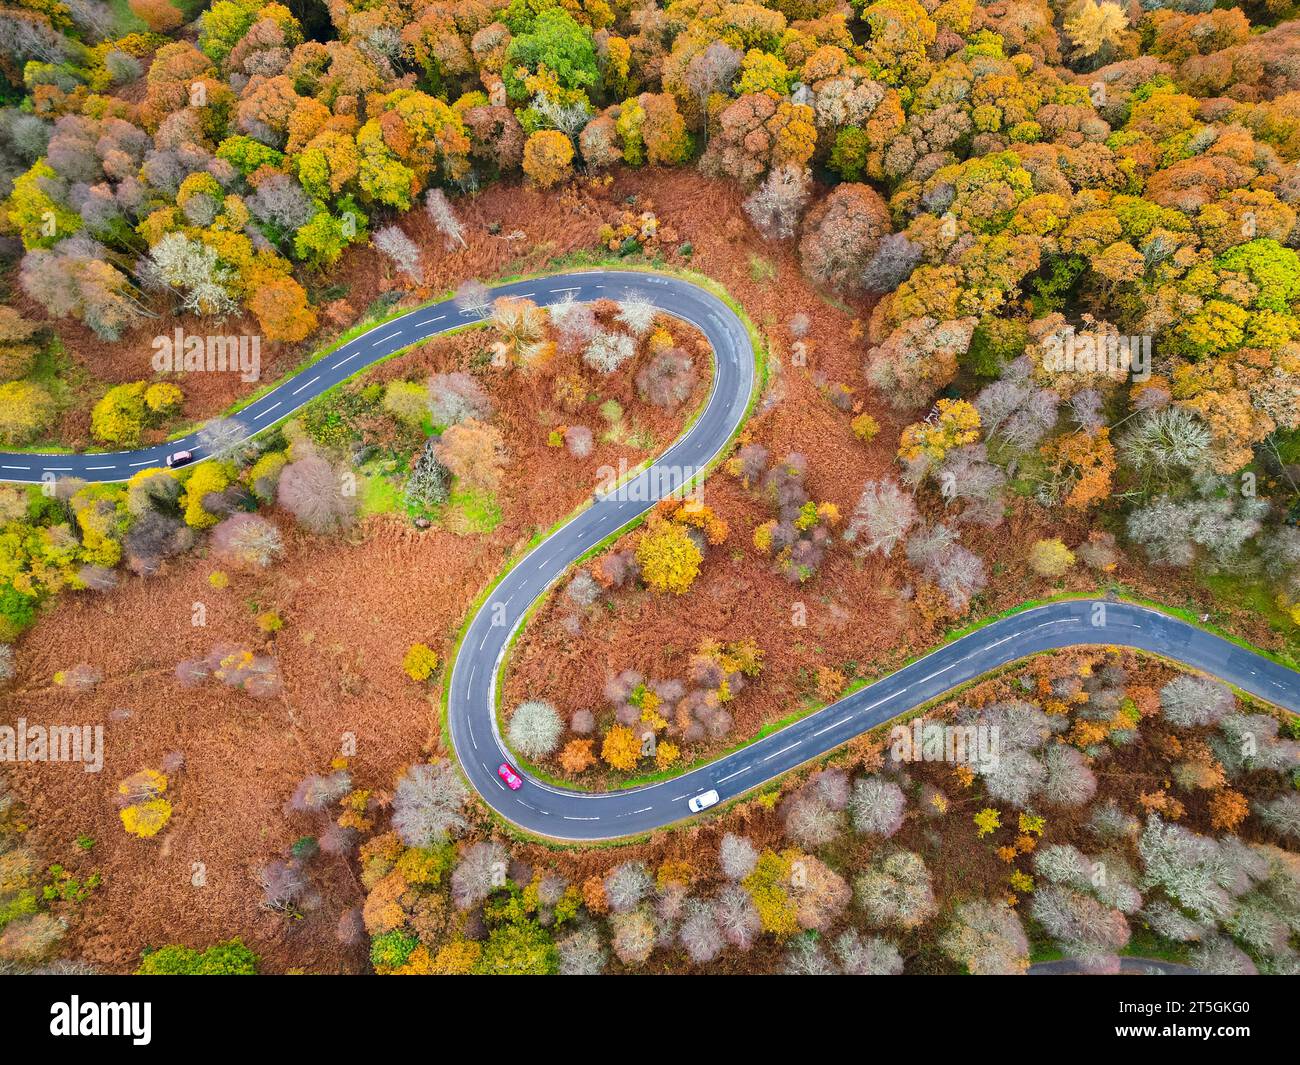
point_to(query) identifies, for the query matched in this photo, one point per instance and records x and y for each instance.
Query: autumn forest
(1022, 283)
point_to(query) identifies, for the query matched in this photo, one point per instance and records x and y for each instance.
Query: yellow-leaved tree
(669, 559)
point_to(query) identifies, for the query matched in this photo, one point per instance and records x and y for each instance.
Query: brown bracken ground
(352, 607)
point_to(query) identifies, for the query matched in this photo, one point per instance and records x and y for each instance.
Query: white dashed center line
(791, 747)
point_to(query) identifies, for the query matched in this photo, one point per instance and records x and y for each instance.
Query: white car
(702, 801)
(179, 458)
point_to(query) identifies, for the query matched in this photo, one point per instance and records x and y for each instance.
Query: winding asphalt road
(552, 811)
(559, 813)
(362, 351)
(1128, 966)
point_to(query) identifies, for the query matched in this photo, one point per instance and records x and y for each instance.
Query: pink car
(513, 781)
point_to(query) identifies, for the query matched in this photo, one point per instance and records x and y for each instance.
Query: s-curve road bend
(733, 380)
(558, 813)
(571, 815)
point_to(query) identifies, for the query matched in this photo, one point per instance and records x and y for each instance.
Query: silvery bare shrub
(1110, 822)
(582, 953)
(481, 870)
(282, 883)
(473, 298)
(315, 793)
(700, 933)
(1189, 702)
(608, 351)
(457, 397)
(775, 206)
(1261, 927)
(427, 804)
(669, 907)
(806, 957)
(337, 840)
(737, 856)
(832, 786)
(861, 955)
(400, 250)
(247, 540)
(1063, 863)
(1014, 778)
(667, 380)
(626, 885)
(1171, 923)
(1282, 814)
(579, 440)
(876, 807)
(443, 216)
(882, 517)
(583, 590)
(637, 313)
(534, 729)
(313, 492)
(1163, 442)
(809, 822)
(895, 890)
(1069, 781)
(1081, 925)
(737, 916)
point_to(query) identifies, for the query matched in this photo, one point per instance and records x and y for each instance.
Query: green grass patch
(789, 719)
(1254, 596)
(380, 495)
(54, 370)
(761, 270)
(1144, 943)
(65, 381)
(191, 9)
(127, 21)
(471, 511)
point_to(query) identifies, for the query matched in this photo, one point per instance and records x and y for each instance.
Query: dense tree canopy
(1006, 182)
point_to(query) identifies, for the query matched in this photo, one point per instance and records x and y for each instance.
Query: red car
(513, 780)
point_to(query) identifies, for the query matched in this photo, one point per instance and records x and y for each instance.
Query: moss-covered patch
(471, 511)
(380, 495)
(1255, 596)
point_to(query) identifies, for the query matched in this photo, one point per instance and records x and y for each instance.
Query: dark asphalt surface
(551, 811)
(1127, 967)
(358, 353)
(572, 815)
